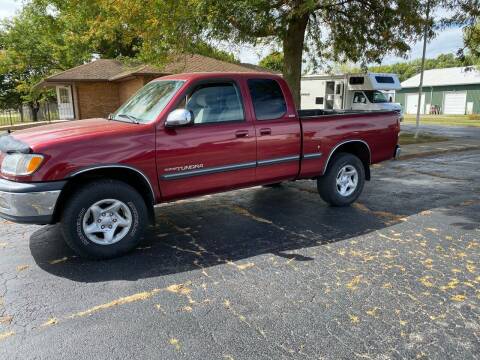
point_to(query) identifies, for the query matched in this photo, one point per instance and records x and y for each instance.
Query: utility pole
(420, 87)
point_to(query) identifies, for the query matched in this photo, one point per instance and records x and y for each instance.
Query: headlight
(21, 164)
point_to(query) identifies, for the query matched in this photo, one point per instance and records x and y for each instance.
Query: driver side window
(214, 103)
(359, 98)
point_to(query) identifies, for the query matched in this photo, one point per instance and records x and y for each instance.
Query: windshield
(148, 102)
(375, 96)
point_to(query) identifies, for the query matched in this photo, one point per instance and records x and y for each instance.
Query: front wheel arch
(128, 176)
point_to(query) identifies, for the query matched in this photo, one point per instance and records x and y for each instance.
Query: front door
(217, 152)
(278, 132)
(65, 103)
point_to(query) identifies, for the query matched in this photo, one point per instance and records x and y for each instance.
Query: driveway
(265, 274)
(465, 132)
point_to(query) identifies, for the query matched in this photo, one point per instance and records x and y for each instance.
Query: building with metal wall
(450, 91)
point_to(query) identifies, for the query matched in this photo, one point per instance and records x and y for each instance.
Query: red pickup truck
(182, 136)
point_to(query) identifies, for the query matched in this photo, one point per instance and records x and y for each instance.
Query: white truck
(371, 91)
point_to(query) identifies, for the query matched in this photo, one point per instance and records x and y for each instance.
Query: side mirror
(179, 117)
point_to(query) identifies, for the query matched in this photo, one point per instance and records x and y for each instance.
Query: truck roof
(213, 75)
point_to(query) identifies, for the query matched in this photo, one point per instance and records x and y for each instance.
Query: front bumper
(29, 203)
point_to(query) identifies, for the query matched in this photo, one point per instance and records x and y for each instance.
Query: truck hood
(60, 132)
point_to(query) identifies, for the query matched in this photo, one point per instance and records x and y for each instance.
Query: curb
(437, 152)
(22, 126)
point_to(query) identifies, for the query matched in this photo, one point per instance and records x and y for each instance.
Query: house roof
(114, 70)
(445, 77)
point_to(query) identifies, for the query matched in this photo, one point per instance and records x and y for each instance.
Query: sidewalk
(427, 149)
(22, 126)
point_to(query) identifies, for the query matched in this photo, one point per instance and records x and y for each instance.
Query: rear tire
(343, 182)
(104, 219)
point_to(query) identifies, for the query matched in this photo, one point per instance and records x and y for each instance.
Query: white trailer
(371, 91)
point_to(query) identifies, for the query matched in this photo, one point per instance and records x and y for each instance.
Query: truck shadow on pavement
(223, 229)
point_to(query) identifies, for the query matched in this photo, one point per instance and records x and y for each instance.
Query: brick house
(98, 88)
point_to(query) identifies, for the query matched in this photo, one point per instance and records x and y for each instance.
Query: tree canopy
(407, 69)
(51, 35)
(358, 30)
(273, 61)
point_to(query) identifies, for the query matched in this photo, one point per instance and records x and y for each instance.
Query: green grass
(448, 120)
(6, 119)
(409, 138)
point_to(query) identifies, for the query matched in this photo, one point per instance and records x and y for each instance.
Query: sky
(446, 41)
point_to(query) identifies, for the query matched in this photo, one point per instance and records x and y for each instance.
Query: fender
(343, 143)
(114, 166)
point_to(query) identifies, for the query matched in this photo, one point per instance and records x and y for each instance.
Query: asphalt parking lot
(265, 274)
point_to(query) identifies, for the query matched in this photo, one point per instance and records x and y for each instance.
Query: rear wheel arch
(128, 175)
(359, 148)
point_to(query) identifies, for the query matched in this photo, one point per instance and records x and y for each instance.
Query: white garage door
(455, 103)
(412, 104)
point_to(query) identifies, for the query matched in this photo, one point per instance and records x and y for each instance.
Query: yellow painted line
(52, 321)
(121, 301)
(242, 211)
(22, 267)
(6, 335)
(58, 261)
(246, 266)
(6, 319)
(181, 289)
(176, 343)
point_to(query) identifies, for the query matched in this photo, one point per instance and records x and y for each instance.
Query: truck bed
(315, 113)
(324, 130)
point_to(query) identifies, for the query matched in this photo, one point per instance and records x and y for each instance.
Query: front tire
(104, 219)
(343, 182)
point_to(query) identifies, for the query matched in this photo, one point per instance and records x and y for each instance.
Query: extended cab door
(217, 152)
(277, 129)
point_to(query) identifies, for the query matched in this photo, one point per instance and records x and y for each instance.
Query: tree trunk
(34, 107)
(293, 42)
(20, 110)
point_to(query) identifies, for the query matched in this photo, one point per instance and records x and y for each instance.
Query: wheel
(274, 185)
(104, 219)
(343, 181)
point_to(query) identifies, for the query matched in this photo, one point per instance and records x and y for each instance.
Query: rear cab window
(267, 98)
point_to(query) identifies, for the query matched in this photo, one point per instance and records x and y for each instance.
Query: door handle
(265, 131)
(241, 133)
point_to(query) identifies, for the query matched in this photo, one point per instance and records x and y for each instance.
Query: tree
(472, 39)
(407, 69)
(465, 13)
(339, 30)
(359, 30)
(32, 46)
(273, 61)
(49, 36)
